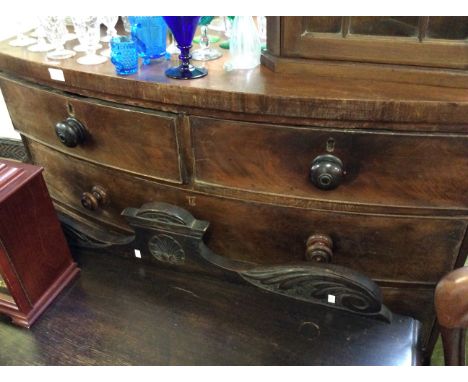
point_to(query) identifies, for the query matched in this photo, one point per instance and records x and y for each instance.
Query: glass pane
(4, 293)
(395, 26)
(325, 24)
(450, 28)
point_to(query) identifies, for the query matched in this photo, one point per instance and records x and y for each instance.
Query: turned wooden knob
(71, 132)
(326, 172)
(95, 199)
(319, 248)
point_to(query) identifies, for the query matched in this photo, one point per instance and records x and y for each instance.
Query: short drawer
(385, 169)
(130, 139)
(394, 248)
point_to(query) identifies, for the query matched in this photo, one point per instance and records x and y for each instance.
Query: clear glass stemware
(206, 52)
(126, 24)
(42, 45)
(21, 38)
(56, 31)
(69, 36)
(81, 35)
(88, 31)
(109, 22)
(227, 32)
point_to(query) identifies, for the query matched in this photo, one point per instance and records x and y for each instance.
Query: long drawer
(131, 139)
(380, 168)
(394, 248)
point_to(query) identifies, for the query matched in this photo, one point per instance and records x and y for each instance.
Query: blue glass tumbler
(149, 33)
(124, 55)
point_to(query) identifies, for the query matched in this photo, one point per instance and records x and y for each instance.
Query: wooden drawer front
(407, 170)
(126, 138)
(383, 247)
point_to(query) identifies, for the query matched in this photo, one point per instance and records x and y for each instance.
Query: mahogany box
(35, 261)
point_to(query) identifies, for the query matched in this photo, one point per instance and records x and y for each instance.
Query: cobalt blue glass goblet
(183, 28)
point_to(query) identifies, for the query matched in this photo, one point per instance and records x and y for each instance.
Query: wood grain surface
(252, 92)
(398, 169)
(235, 148)
(123, 312)
(146, 139)
(383, 247)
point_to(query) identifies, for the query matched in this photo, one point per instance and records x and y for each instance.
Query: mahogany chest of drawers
(238, 149)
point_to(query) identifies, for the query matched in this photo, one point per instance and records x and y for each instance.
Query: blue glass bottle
(149, 33)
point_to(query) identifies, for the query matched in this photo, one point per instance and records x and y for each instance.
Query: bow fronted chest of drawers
(378, 168)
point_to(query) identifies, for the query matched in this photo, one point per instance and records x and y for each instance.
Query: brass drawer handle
(326, 172)
(71, 132)
(97, 198)
(319, 248)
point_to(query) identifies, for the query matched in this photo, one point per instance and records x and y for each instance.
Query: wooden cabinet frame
(379, 49)
(401, 59)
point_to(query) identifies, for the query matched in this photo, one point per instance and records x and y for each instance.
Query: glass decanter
(244, 45)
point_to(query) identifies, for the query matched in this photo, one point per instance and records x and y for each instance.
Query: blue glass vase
(183, 28)
(149, 33)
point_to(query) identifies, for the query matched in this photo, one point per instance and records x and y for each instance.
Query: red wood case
(35, 261)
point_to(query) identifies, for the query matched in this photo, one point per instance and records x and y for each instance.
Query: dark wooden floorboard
(123, 312)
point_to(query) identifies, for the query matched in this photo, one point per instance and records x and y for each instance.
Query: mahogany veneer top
(256, 91)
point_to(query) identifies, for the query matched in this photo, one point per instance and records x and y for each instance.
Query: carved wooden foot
(171, 235)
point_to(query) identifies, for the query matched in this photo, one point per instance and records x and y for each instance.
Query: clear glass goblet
(56, 30)
(42, 45)
(126, 24)
(80, 48)
(69, 36)
(81, 35)
(88, 30)
(109, 22)
(206, 52)
(228, 26)
(228, 20)
(21, 38)
(34, 33)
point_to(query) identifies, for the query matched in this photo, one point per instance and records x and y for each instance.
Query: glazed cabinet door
(410, 40)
